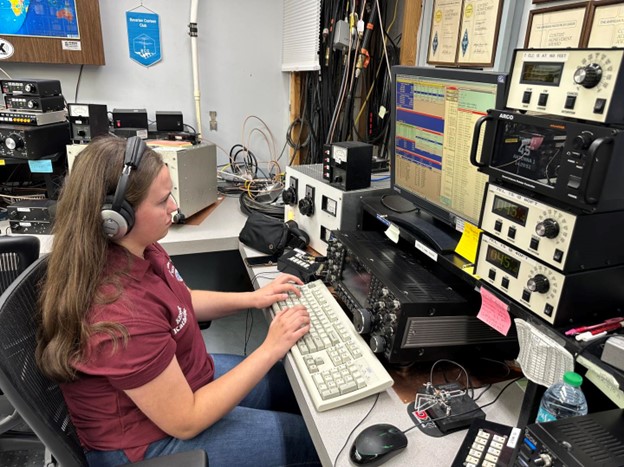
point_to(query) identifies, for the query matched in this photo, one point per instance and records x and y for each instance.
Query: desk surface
(331, 430)
(217, 232)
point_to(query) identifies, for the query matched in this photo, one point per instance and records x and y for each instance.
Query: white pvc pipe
(194, 56)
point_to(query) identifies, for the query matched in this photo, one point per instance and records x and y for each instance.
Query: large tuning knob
(582, 140)
(362, 320)
(289, 196)
(14, 141)
(548, 228)
(377, 344)
(588, 76)
(539, 284)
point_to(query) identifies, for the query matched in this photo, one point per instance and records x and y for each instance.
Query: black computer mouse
(377, 444)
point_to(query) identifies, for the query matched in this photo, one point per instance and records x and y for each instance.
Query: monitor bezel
(475, 76)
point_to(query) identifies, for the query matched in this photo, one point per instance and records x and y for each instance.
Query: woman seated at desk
(120, 330)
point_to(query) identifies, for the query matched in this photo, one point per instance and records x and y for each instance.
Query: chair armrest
(197, 458)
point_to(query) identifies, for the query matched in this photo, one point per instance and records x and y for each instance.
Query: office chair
(38, 400)
(16, 254)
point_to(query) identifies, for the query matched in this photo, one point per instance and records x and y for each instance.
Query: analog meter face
(78, 111)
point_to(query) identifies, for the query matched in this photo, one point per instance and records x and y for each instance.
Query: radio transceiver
(31, 87)
(557, 298)
(17, 117)
(557, 237)
(35, 103)
(33, 142)
(408, 313)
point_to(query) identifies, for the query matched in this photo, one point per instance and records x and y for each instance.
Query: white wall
(239, 46)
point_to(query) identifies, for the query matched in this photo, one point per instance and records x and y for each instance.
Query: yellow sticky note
(469, 241)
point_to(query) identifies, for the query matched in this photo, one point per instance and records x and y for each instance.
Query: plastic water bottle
(563, 399)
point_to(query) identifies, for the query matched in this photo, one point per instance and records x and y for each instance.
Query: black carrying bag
(270, 235)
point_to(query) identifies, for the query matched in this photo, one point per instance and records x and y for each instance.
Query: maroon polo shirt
(156, 309)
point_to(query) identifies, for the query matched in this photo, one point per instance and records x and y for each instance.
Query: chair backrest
(16, 254)
(36, 398)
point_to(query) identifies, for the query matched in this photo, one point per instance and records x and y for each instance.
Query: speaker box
(130, 118)
(169, 121)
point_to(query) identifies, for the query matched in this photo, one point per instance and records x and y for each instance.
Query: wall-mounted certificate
(478, 33)
(556, 27)
(443, 37)
(606, 24)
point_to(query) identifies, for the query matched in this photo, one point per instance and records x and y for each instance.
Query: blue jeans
(265, 429)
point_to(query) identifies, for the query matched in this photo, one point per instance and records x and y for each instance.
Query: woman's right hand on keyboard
(287, 327)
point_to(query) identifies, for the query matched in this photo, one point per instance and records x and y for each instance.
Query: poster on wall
(443, 37)
(143, 37)
(479, 32)
(39, 18)
(606, 20)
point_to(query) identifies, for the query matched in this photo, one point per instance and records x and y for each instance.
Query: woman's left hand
(276, 290)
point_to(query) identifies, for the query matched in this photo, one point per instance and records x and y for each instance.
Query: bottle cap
(572, 378)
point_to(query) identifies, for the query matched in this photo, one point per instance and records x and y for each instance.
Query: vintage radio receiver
(586, 84)
(574, 163)
(35, 103)
(556, 297)
(557, 237)
(318, 207)
(407, 312)
(33, 142)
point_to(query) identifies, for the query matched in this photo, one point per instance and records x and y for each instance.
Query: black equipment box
(409, 312)
(87, 121)
(33, 142)
(130, 118)
(31, 87)
(37, 210)
(24, 117)
(169, 121)
(592, 439)
(349, 165)
(31, 228)
(35, 103)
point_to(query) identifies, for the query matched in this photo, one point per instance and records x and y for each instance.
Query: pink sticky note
(494, 312)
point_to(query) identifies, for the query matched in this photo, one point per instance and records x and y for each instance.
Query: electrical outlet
(213, 120)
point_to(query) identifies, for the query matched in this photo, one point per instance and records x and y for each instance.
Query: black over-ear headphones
(117, 213)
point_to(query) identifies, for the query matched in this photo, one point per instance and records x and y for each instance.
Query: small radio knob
(362, 320)
(377, 344)
(548, 228)
(32, 104)
(30, 88)
(539, 284)
(14, 141)
(289, 196)
(582, 140)
(306, 206)
(588, 76)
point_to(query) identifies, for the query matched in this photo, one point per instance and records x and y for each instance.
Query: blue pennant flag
(143, 37)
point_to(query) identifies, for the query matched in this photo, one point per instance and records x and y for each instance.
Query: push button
(534, 243)
(526, 295)
(492, 274)
(558, 255)
(574, 182)
(511, 233)
(570, 102)
(526, 97)
(600, 105)
(548, 309)
(498, 226)
(505, 283)
(541, 101)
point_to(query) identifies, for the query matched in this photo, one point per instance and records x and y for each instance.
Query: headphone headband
(117, 213)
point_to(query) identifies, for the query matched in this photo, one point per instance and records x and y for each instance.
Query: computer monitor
(433, 116)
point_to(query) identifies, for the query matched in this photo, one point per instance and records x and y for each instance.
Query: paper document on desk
(542, 359)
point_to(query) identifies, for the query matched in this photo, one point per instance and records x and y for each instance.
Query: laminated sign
(144, 37)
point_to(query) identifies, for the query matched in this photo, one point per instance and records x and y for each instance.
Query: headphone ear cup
(117, 224)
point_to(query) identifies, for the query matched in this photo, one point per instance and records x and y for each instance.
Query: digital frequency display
(510, 210)
(541, 73)
(356, 279)
(502, 261)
